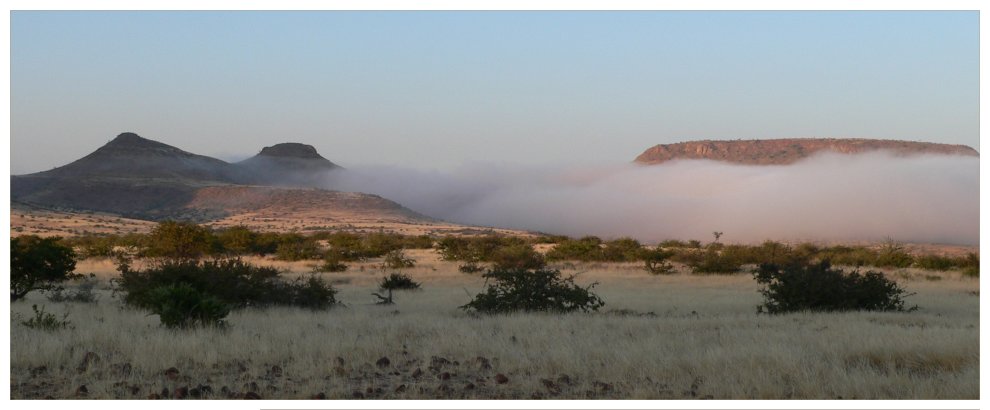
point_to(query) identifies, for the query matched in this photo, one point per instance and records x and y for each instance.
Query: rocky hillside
(143, 179)
(290, 164)
(788, 151)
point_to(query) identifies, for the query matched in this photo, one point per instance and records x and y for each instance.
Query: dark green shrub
(656, 261)
(935, 262)
(397, 259)
(38, 264)
(233, 282)
(474, 249)
(238, 240)
(297, 250)
(398, 281)
(712, 261)
(521, 256)
(540, 290)
(971, 265)
(182, 306)
(673, 243)
(332, 262)
(818, 287)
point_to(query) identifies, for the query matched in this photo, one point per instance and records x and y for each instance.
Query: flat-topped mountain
(789, 150)
(287, 164)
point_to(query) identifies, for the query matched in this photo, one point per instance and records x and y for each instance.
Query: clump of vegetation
(820, 288)
(184, 240)
(182, 306)
(332, 262)
(43, 320)
(519, 256)
(971, 265)
(398, 281)
(470, 267)
(588, 248)
(714, 261)
(656, 261)
(82, 294)
(539, 290)
(38, 264)
(397, 259)
(231, 281)
(892, 255)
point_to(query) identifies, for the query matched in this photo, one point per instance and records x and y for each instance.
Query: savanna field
(674, 335)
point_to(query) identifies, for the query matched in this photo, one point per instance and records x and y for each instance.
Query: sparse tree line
(196, 277)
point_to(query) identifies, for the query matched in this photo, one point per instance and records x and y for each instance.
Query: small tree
(396, 259)
(540, 290)
(180, 240)
(38, 264)
(655, 261)
(520, 256)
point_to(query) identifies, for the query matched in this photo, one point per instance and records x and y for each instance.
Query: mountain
(143, 179)
(790, 150)
(291, 164)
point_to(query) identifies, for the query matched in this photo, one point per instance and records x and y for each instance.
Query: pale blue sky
(438, 89)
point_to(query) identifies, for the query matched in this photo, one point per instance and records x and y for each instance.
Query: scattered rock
(88, 360)
(564, 379)
(501, 379)
(357, 395)
(417, 373)
(400, 389)
(318, 396)
(551, 386)
(483, 363)
(37, 371)
(602, 387)
(469, 386)
(154, 396)
(383, 362)
(251, 396)
(252, 386)
(135, 389)
(276, 371)
(82, 391)
(172, 373)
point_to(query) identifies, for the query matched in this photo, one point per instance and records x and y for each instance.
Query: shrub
(180, 240)
(971, 265)
(233, 282)
(46, 321)
(892, 255)
(297, 250)
(82, 294)
(332, 262)
(584, 249)
(714, 261)
(238, 240)
(655, 261)
(521, 256)
(818, 287)
(935, 262)
(38, 264)
(182, 306)
(542, 290)
(622, 250)
(398, 281)
(397, 259)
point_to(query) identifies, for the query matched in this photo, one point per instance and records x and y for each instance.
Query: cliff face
(788, 151)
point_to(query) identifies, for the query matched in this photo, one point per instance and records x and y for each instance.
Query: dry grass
(660, 337)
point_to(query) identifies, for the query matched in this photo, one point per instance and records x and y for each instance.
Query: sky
(436, 90)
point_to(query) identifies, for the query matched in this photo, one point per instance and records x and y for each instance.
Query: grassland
(680, 336)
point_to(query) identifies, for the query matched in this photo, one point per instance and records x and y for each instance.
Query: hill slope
(790, 150)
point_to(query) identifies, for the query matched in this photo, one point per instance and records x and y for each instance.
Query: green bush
(971, 265)
(293, 249)
(935, 262)
(396, 259)
(38, 264)
(332, 262)
(186, 240)
(233, 282)
(656, 261)
(398, 281)
(182, 306)
(540, 290)
(474, 249)
(46, 321)
(817, 287)
(711, 261)
(892, 255)
(239, 240)
(585, 249)
(82, 294)
(521, 256)
(622, 250)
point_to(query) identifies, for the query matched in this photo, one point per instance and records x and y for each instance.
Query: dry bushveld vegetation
(678, 336)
